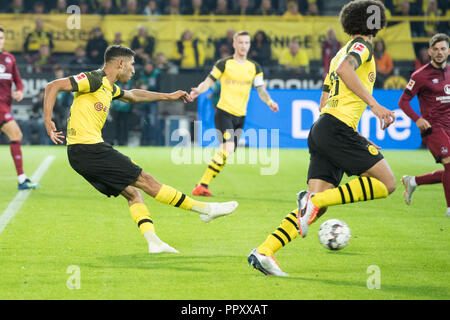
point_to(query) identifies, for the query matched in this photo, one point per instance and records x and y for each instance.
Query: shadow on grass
(165, 261)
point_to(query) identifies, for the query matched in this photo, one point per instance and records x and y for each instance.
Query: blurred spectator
(120, 112)
(409, 8)
(42, 61)
(61, 7)
(107, 7)
(131, 7)
(292, 11)
(143, 45)
(37, 38)
(38, 7)
(221, 7)
(84, 7)
(313, 9)
(33, 129)
(243, 8)
(422, 58)
(330, 46)
(431, 26)
(80, 62)
(151, 9)
(16, 6)
(265, 9)
(260, 49)
(149, 79)
(383, 62)
(293, 59)
(189, 52)
(173, 8)
(118, 39)
(163, 64)
(96, 47)
(196, 8)
(224, 45)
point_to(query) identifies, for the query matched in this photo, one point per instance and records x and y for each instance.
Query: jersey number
(334, 84)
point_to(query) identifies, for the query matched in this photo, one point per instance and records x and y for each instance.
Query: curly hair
(356, 17)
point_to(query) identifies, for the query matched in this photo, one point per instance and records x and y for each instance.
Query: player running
(334, 144)
(431, 84)
(9, 73)
(109, 171)
(237, 74)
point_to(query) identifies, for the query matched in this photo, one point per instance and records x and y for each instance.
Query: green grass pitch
(68, 223)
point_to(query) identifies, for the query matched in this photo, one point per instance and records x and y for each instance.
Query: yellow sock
(141, 216)
(175, 198)
(214, 168)
(359, 189)
(285, 233)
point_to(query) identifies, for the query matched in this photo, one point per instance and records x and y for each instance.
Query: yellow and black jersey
(343, 103)
(90, 107)
(236, 80)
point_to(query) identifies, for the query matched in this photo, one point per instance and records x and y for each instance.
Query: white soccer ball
(334, 234)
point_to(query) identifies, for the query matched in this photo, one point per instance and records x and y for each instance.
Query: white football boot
(155, 245)
(214, 210)
(265, 264)
(410, 187)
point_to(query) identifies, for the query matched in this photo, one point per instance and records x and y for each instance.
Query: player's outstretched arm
(138, 96)
(346, 71)
(265, 97)
(201, 88)
(51, 90)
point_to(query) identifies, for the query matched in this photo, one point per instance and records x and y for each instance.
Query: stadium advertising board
(289, 127)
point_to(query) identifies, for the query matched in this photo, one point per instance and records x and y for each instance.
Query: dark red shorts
(5, 115)
(438, 142)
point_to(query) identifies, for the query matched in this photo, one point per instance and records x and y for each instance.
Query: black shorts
(336, 148)
(109, 171)
(229, 126)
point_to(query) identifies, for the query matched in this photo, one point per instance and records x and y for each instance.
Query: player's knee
(391, 185)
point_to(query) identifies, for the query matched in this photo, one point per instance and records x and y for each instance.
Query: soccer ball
(334, 234)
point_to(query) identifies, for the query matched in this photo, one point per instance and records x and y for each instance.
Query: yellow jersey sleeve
(259, 76)
(117, 92)
(218, 69)
(361, 50)
(86, 82)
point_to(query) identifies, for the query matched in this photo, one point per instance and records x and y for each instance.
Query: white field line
(21, 196)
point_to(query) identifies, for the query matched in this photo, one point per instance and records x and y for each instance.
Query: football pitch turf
(66, 225)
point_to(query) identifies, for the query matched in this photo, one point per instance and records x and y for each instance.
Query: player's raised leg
(166, 194)
(13, 132)
(376, 183)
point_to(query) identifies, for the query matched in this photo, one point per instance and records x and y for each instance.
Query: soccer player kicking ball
(431, 84)
(334, 144)
(109, 171)
(9, 73)
(236, 74)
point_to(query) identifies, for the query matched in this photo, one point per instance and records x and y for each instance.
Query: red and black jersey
(9, 73)
(432, 87)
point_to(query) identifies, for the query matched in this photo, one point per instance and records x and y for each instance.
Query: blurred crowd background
(187, 60)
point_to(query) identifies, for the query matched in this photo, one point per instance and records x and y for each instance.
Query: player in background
(237, 74)
(334, 144)
(431, 84)
(9, 73)
(109, 171)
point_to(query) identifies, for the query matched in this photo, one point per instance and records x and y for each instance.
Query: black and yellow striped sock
(215, 166)
(359, 189)
(141, 216)
(285, 233)
(176, 198)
